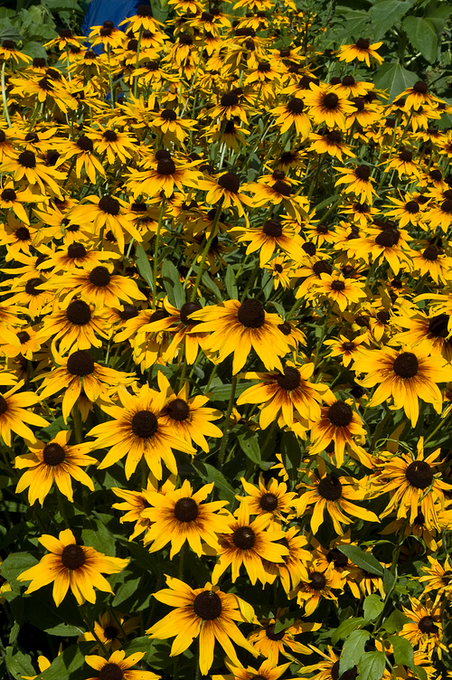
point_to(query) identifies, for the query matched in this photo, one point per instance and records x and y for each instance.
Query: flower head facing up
(118, 667)
(70, 565)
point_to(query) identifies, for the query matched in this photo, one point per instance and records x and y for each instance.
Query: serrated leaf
(34, 49)
(345, 628)
(230, 282)
(403, 651)
(395, 621)
(362, 560)
(373, 606)
(249, 444)
(422, 35)
(353, 650)
(144, 266)
(371, 666)
(394, 78)
(172, 284)
(386, 14)
(438, 14)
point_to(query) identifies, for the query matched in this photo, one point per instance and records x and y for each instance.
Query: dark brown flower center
(406, 156)
(387, 238)
(186, 510)
(317, 580)
(406, 365)
(264, 67)
(144, 11)
(109, 205)
(338, 285)
(412, 207)
(268, 502)
(144, 424)
(207, 605)
(23, 337)
(80, 363)
(85, 143)
(168, 114)
(73, 556)
(282, 188)
(3, 405)
(439, 326)
(363, 44)
(78, 313)
(178, 409)
(272, 228)
(295, 105)
(419, 474)
(229, 99)
(31, 287)
(8, 195)
(76, 250)
(330, 488)
(348, 346)
(111, 671)
(27, 159)
(166, 166)
(420, 87)
(251, 314)
(22, 234)
(322, 267)
(244, 538)
(330, 101)
(100, 276)
(270, 632)
(111, 633)
(53, 454)
(340, 560)
(290, 379)
(446, 207)
(340, 414)
(427, 625)
(187, 309)
(285, 328)
(309, 248)
(129, 312)
(230, 181)
(110, 136)
(362, 172)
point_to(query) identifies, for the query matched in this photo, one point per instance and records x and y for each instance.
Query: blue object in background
(109, 10)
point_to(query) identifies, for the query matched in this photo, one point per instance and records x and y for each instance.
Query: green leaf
(10, 33)
(15, 564)
(99, 538)
(172, 284)
(373, 606)
(363, 560)
(126, 590)
(230, 282)
(394, 78)
(384, 15)
(34, 49)
(371, 666)
(64, 630)
(223, 392)
(66, 663)
(388, 580)
(420, 672)
(353, 650)
(395, 621)
(438, 14)
(211, 474)
(403, 651)
(143, 264)
(249, 444)
(18, 664)
(39, 32)
(355, 24)
(422, 35)
(345, 628)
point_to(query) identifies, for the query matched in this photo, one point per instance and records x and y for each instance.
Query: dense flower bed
(225, 323)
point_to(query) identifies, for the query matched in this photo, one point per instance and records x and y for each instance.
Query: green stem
(5, 103)
(156, 261)
(206, 251)
(224, 442)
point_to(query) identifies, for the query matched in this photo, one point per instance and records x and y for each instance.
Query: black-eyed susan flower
(339, 290)
(181, 516)
(272, 234)
(71, 565)
(57, 462)
(330, 142)
(225, 189)
(237, 327)
(15, 412)
(207, 613)
(248, 544)
(318, 585)
(413, 484)
(327, 106)
(268, 670)
(358, 181)
(75, 326)
(282, 392)
(425, 630)
(138, 430)
(333, 493)
(272, 501)
(110, 630)
(438, 577)
(339, 424)
(118, 667)
(407, 376)
(362, 50)
(271, 644)
(293, 113)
